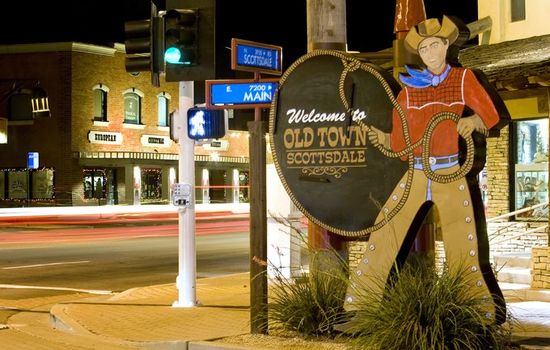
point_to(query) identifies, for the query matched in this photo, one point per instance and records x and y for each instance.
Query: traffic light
(144, 45)
(190, 40)
(181, 33)
(205, 123)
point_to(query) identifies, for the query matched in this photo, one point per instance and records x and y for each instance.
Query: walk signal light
(181, 33)
(205, 123)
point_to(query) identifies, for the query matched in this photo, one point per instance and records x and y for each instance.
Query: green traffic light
(176, 55)
(172, 55)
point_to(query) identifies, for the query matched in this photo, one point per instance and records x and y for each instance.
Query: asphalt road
(95, 266)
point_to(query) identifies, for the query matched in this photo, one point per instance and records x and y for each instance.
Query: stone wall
(498, 166)
(503, 237)
(540, 267)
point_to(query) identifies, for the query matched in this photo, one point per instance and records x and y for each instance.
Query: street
(42, 256)
(112, 265)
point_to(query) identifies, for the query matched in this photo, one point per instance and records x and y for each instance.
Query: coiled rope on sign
(350, 65)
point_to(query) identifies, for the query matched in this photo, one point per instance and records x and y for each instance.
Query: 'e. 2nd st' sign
(256, 57)
(239, 93)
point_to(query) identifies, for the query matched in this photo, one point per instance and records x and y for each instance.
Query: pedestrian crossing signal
(205, 123)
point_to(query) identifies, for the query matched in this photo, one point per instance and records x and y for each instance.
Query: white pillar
(137, 185)
(283, 243)
(205, 183)
(236, 188)
(171, 182)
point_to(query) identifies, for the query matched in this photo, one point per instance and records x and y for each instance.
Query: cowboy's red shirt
(459, 89)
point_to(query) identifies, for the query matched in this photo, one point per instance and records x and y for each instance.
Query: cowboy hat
(430, 28)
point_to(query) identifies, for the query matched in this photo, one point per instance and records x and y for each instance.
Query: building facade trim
(59, 46)
(154, 156)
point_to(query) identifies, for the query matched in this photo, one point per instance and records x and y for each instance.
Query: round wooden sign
(320, 145)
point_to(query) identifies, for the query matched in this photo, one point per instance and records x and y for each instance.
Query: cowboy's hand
(378, 137)
(375, 135)
(466, 126)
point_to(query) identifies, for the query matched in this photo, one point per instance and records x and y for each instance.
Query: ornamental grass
(426, 310)
(311, 304)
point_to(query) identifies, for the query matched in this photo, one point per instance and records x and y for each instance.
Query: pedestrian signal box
(203, 123)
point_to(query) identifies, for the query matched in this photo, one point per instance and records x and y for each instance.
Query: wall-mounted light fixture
(26, 100)
(39, 102)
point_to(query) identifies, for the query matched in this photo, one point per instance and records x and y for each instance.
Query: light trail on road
(113, 218)
(89, 291)
(46, 264)
(97, 233)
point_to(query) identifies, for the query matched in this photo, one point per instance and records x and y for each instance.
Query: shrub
(422, 309)
(312, 303)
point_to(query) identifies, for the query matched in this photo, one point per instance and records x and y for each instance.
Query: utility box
(182, 195)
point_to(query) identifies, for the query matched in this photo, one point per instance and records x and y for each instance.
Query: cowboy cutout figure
(440, 88)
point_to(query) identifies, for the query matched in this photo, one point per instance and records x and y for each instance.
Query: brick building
(107, 140)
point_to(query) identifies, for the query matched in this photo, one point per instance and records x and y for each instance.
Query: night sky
(281, 22)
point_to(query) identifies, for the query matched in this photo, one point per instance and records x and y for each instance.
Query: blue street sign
(235, 93)
(256, 57)
(32, 160)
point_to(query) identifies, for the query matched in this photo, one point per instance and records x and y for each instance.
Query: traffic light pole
(187, 263)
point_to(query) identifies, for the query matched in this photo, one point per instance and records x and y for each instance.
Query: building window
(244, 183)
(151, 184)
(18, 184)
(100, 102)
(42, 183)
(132, 106)
(517, 10)
(531, 167)
(163, 117)
(94, 183)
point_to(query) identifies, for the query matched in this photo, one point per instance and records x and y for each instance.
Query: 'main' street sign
(240, 93)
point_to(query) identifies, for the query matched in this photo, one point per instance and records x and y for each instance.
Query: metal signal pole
(187, 255)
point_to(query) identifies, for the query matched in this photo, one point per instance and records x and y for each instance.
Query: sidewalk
(143, 318)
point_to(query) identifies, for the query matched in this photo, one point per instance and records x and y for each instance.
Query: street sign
(240, 93)
(32, 160)
(256, 57)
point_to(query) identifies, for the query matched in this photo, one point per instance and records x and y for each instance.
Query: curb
(59, 320)
(205, 345)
